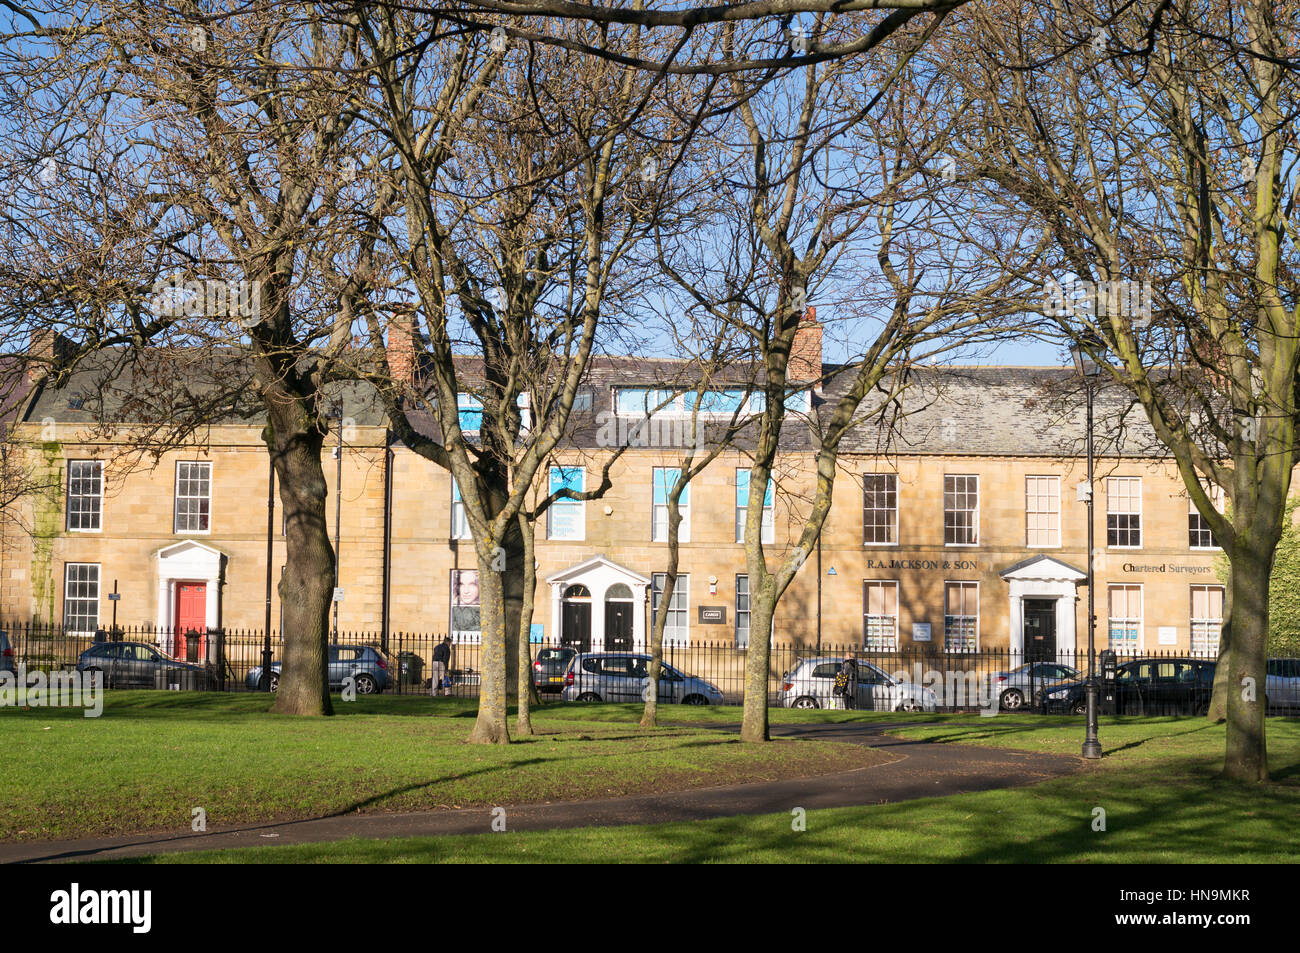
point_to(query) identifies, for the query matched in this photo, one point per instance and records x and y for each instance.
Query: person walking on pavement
(440, 667)
(850, 672)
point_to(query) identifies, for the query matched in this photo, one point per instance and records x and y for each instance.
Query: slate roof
(980, 410)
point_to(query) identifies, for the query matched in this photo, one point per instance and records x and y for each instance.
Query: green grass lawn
(154, 756)
(1157, 786)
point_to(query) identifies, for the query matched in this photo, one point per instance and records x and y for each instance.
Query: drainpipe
(386, 585)
(270, 558)
(819, 592)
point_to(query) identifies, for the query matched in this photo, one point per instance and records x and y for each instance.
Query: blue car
(370, 670)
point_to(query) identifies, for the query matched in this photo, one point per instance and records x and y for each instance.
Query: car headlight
(1059, 694)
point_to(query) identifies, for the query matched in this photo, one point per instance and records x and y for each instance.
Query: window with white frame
(880, 615)
(81, 597)
(880, 509)
(664, 478)
(193, 496)
(1125, 612)
(768, 529)
(677, 629)
(1124, 512)
(961, 616)
(459, 525)
(469, 410)
(1199, 534)
(85, 495)
(1043, 511)
(1207, 619)
(724, 402)
(565, 519)
(961, 510)
(742, 611)
(466, 615)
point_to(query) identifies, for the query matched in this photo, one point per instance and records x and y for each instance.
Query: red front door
(191, 620)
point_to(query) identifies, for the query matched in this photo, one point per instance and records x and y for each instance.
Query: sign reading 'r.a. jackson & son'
(923, 564)
(1166, 567)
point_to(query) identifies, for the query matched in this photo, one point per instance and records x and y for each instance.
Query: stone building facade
(956, 523)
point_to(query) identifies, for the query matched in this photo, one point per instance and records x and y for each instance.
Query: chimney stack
(401, 346)
(806, 350)
(46, 349)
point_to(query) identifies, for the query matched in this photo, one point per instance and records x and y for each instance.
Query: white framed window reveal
(566, 519)
(193, 496)
(880, 615)
(767, 532)
(677, 629)
(664, 478)
(80, 598)
(85, 497)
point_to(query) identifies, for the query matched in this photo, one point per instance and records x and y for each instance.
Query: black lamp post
(1089, 369)
(337, 412)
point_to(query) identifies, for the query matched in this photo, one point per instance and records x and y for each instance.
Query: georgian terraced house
(959, 527)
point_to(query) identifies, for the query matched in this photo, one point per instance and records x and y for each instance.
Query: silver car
(1024, 683)
(1282, 685)
(811, 683)
(623, 677)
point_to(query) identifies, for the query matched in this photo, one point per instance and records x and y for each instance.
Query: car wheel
(695, 700)
(366, 685)
(275, 682)
(1079, 706)
(909, 705)
(1013, 699)
(805, 701)
(588, 697)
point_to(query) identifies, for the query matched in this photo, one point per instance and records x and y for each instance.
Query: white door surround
(187, 561)
(599, 574)
(1042, 577)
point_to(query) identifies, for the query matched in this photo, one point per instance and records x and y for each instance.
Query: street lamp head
(1081, 352)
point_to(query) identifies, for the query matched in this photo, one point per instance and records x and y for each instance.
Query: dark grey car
(140, 665)
(549, 668)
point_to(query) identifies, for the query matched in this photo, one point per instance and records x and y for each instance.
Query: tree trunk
(1218, 710)
(649, 716)
(1246, 753)
(753, 724)
(490, 727)
(307, 586)
(525, 691)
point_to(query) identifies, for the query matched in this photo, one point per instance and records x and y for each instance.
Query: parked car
(1157, 686)
(1282, 684)
(371, 670)
(549, 668)
(7, 655)
(1023, 683)
(811, 683)
(624, 677)
(141, 665)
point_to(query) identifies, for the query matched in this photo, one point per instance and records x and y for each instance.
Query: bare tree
(523, 197)
(194, 165)
(1155, 148)
(834, 175)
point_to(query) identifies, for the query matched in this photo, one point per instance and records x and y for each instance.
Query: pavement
(917, 769)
